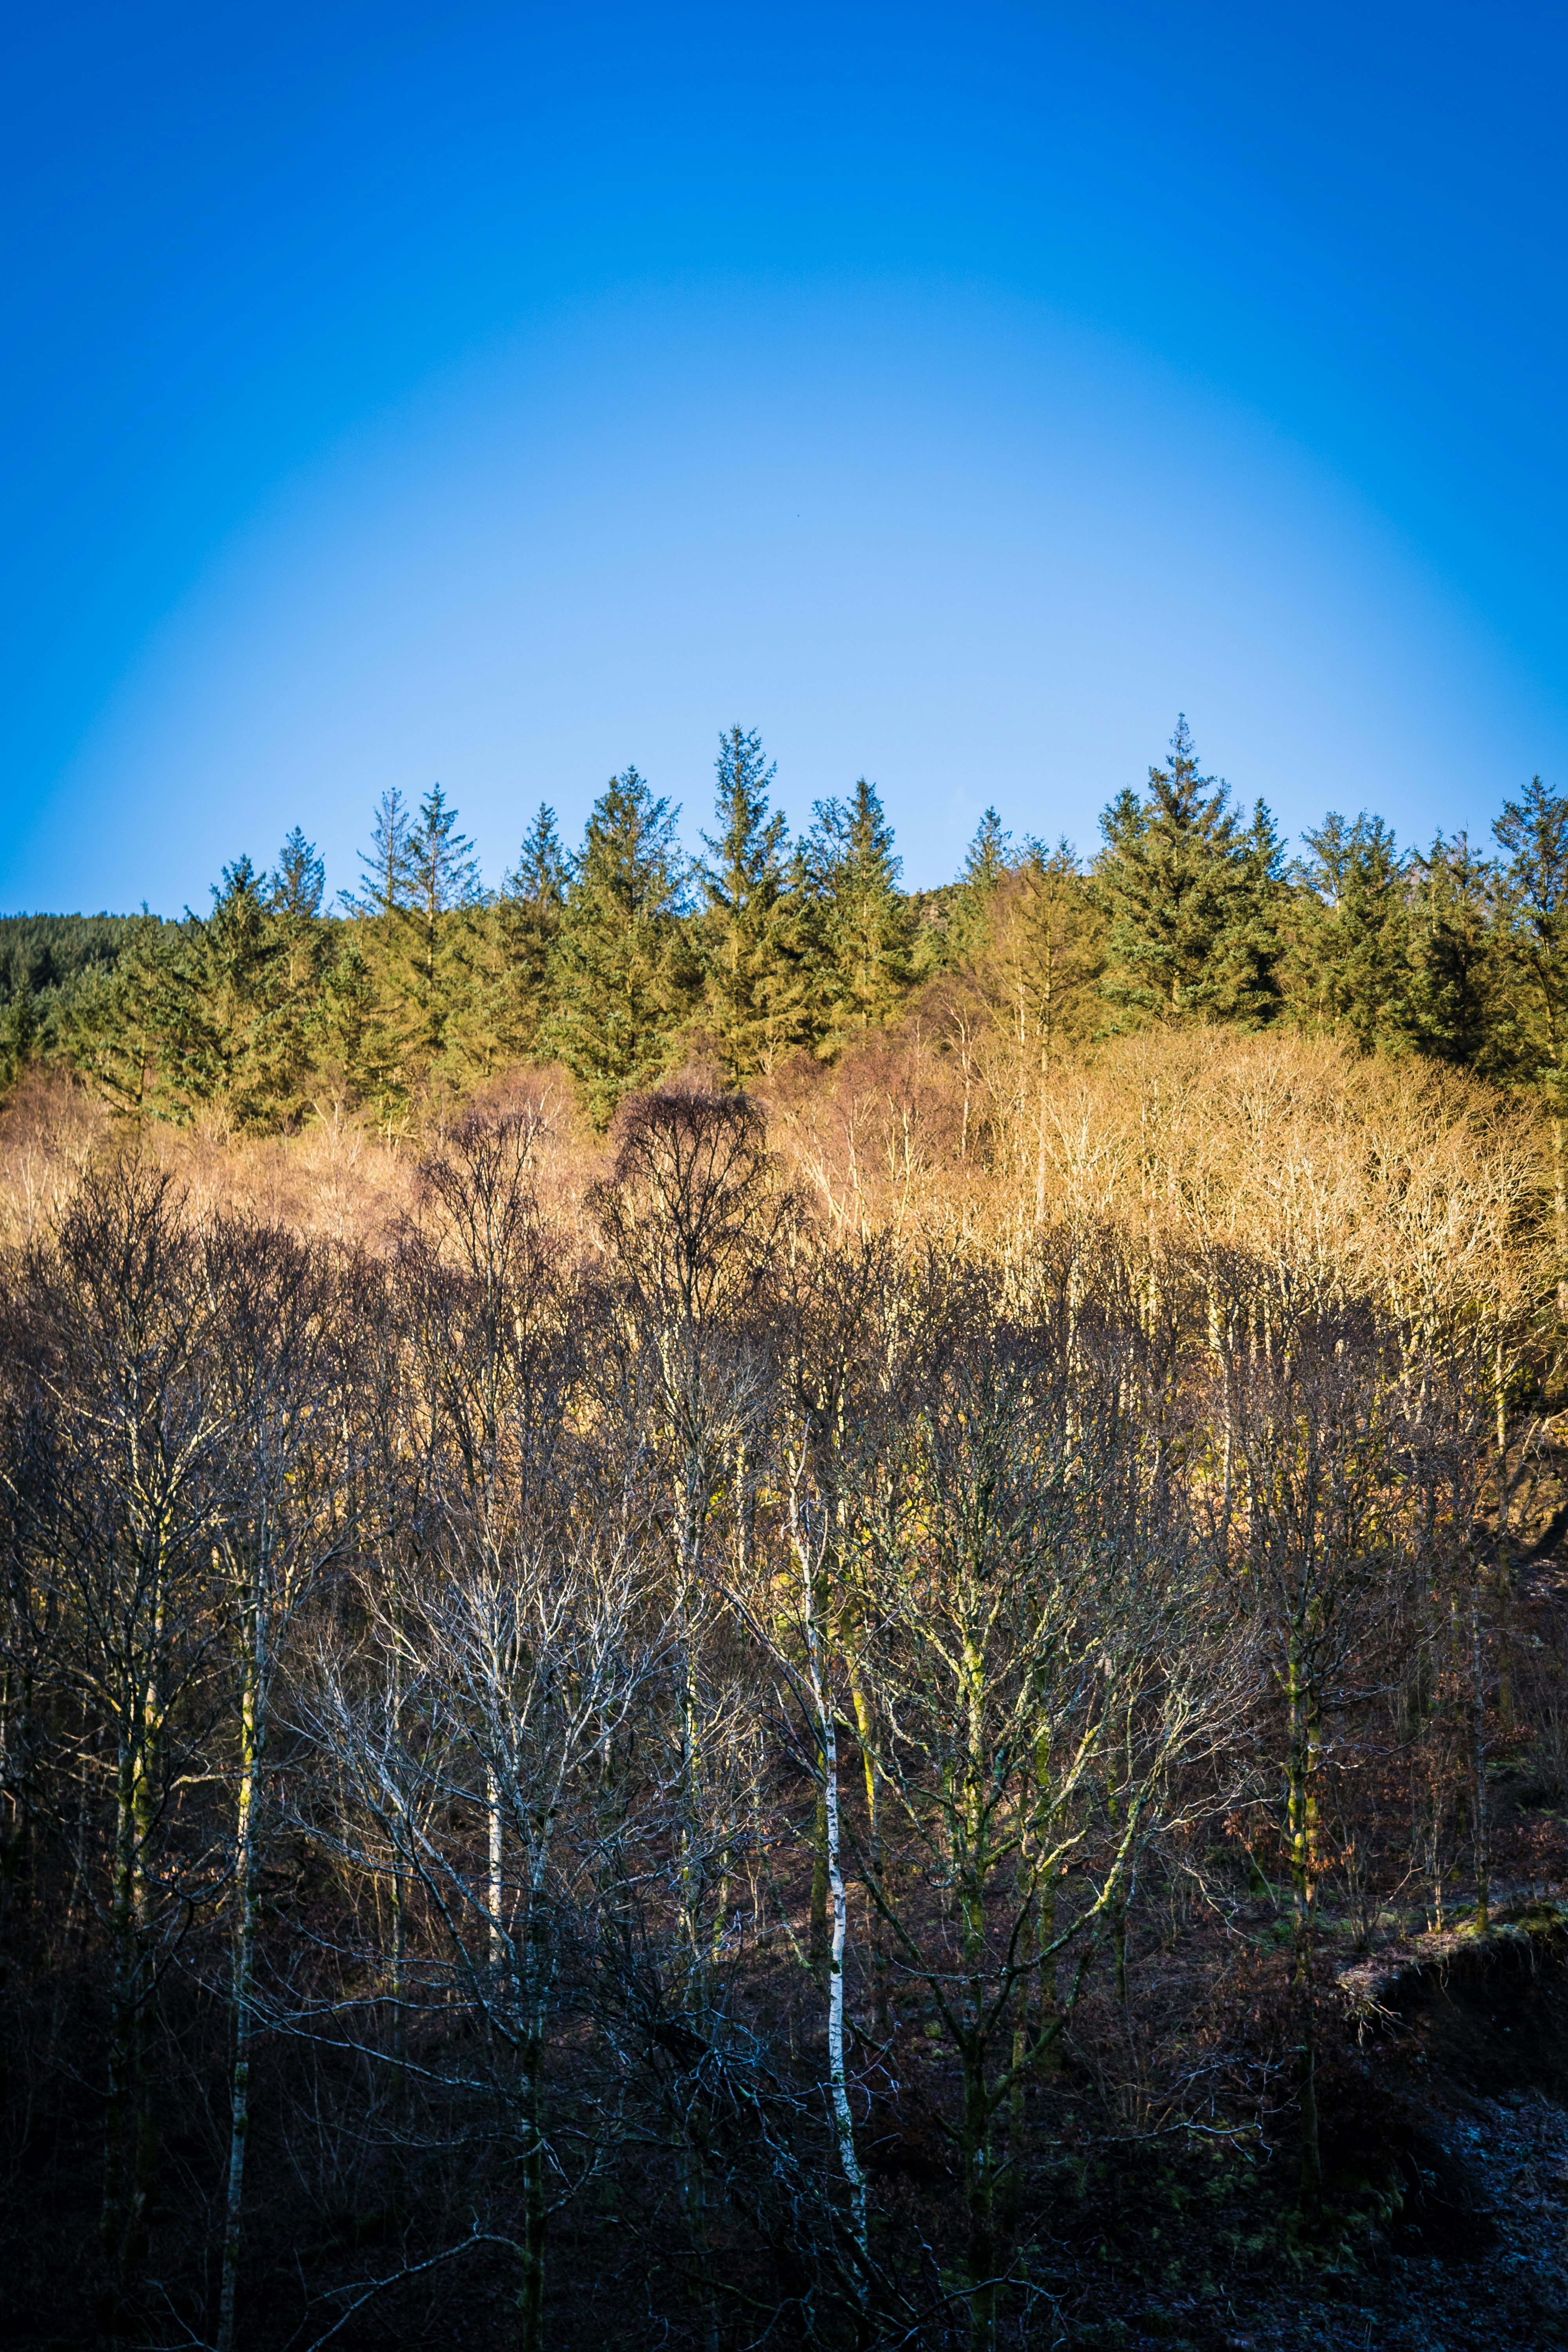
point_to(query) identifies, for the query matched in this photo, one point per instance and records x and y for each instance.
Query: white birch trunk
(251, 1736)
(842, 2119)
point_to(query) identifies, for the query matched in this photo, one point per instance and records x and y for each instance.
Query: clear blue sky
(503, 395)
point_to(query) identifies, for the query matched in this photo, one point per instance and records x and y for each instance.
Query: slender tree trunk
(1504, 1554)
(251, 1733)
(829, 1857)
(1478, 1714)
(1301, 1801)
(1024, 2029)
(536, 2210)
(842, 2119)
(881, 2004)
(980, 2187)
(138, 2128)
(818, 1938)
(122, 1998)
(1560, 1213)
(495, 1871)
(1049, 1987)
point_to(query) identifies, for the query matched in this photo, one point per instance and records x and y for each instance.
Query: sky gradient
(955, 394)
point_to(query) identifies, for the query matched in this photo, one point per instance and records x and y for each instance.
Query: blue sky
(500, 395)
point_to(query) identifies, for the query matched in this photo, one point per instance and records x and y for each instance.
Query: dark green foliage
(860, 929)
(526, 923)
(1454, 955)
(608, 959)
(622, 972)
(953, 925)
(45, 961)
(1348, 962)
(749, 932)
(1192, 899)
(1532, 921)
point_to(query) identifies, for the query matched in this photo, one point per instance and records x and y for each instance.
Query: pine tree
(752, 996)
(295, 885)
(1347, 968)
(418, 906)
(1191, 900)
(293, 900)
(859, 917)
(986, 866)
(443, 887)
(1534, 914)
(251, 1065)
(18, 1032)
(1532, 1030)
(621, 974)
(544, 868)
(385, 887)
(137, 1031)
(525, 922)
(355, 1049)
(1455, 959)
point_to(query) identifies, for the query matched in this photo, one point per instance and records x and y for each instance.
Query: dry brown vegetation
(930, 1707)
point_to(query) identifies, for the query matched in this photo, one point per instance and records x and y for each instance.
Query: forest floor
(1444, 2079)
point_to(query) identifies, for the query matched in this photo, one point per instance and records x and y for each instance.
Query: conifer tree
(443, 885)
(386, 887)
(293, 900)
(18, 1032)
(746, 936)
(622, 976)
(249, 1065)
(1348, 964)
(418, 903)
(986, 866)
(355, 1048)
(1190, 897)
(295, 885)
(1532, 1030)
(860, 918)
(137, 1032)
(526, 921)
(1455, 960)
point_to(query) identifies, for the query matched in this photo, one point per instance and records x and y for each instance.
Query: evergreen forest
(624, 961)
(745, 1610)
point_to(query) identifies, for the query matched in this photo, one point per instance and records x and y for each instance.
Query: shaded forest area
(924, 1703)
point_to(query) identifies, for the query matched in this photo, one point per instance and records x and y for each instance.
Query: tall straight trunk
(1025, 2027)
(1040, 1150)
(818, 1939)
(826, 1729)
(496, 1862)
(1560, 1213)
(1301, 1800)
(881, 2004)
(123, 1998)
(535, 2202)
(1504, 1553)
(131, 2151)
(842, 2119)
(1049, 1994)
(1477, 1723)
(251, 1734)
(979, 2181)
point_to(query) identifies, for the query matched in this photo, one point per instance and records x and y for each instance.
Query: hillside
(909, 1707)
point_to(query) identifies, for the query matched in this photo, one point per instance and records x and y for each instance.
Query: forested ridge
(624, 960)
(743, 1611)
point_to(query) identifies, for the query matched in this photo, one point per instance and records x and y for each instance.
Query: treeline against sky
(623, 961)
(744, 1744)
